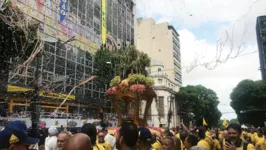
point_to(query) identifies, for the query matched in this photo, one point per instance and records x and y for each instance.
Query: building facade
(165, 90)
(72, 30)
(120, 23)
(161, 41)
(261, 39)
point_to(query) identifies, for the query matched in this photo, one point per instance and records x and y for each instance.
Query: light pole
(170, 113)
(110, 63)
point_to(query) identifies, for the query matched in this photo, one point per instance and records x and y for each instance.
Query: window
(160, 81)
(161, 106)
(159, 69)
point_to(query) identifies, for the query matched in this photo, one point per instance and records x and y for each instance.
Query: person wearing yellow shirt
(259, 137)
(252, 135)
(101, 141)
(261, 144)
(201, 136)
(156, 143)
(90, 130)
(234, 142)
(209, 139)
(215, 137)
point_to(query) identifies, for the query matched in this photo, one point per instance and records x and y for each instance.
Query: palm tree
(132, 60)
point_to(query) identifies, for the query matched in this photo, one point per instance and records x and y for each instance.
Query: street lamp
(252, 110)
(110, 63)
(170, 112)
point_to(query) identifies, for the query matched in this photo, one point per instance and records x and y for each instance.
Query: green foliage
(200, 101)
(103, 71)
(234, 121)
(248, 101)
(124, 62)
(149, 80)
(115, 81)
(136, 78)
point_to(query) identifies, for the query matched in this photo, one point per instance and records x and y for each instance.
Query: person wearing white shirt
(51, 140)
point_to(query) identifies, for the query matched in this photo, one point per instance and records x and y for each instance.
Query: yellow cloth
(217, 145)
(105, 145)
(204, 121)
(225, 124)
(249, 147)
(261, 144)
(257, 139)
(252, 136)
(204, 144)
(209, 139)
(98, 147)
(178, 136)
(156, 146)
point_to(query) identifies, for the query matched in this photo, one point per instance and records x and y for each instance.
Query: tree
(122, 63)
(235, 120)
(248, 101)
(200, 101)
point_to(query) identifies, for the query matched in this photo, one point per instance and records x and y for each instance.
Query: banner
(104, 30)
(225, 124)
(204, 122)
(63, 9)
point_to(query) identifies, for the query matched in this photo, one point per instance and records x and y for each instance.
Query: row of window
(166, 83)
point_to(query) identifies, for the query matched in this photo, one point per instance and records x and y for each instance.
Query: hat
(145, 134)
(15, 132)
(52, 131)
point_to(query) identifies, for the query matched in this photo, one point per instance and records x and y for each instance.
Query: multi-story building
(165, 90)
(72, 31)
(160, 41)
(120, 22)
(261, 39)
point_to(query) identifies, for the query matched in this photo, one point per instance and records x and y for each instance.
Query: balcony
(158, 74)
(164, 87)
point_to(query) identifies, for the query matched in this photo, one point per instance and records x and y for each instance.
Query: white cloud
(222, 79)
(202, 11)
(195, 14)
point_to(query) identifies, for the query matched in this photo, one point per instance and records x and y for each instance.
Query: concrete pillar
(10, 105)
(67, 108)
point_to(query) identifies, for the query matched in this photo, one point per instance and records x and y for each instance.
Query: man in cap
(51, 140)
(14, 137)
(145, 139)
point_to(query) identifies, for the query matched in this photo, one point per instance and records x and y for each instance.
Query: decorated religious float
(132, 91)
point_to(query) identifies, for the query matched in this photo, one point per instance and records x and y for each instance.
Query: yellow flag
(204, 122)
(225, 124)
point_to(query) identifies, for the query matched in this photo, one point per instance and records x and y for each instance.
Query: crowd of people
(14, 136)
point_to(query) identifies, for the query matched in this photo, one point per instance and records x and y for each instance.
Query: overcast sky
(201, 23)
